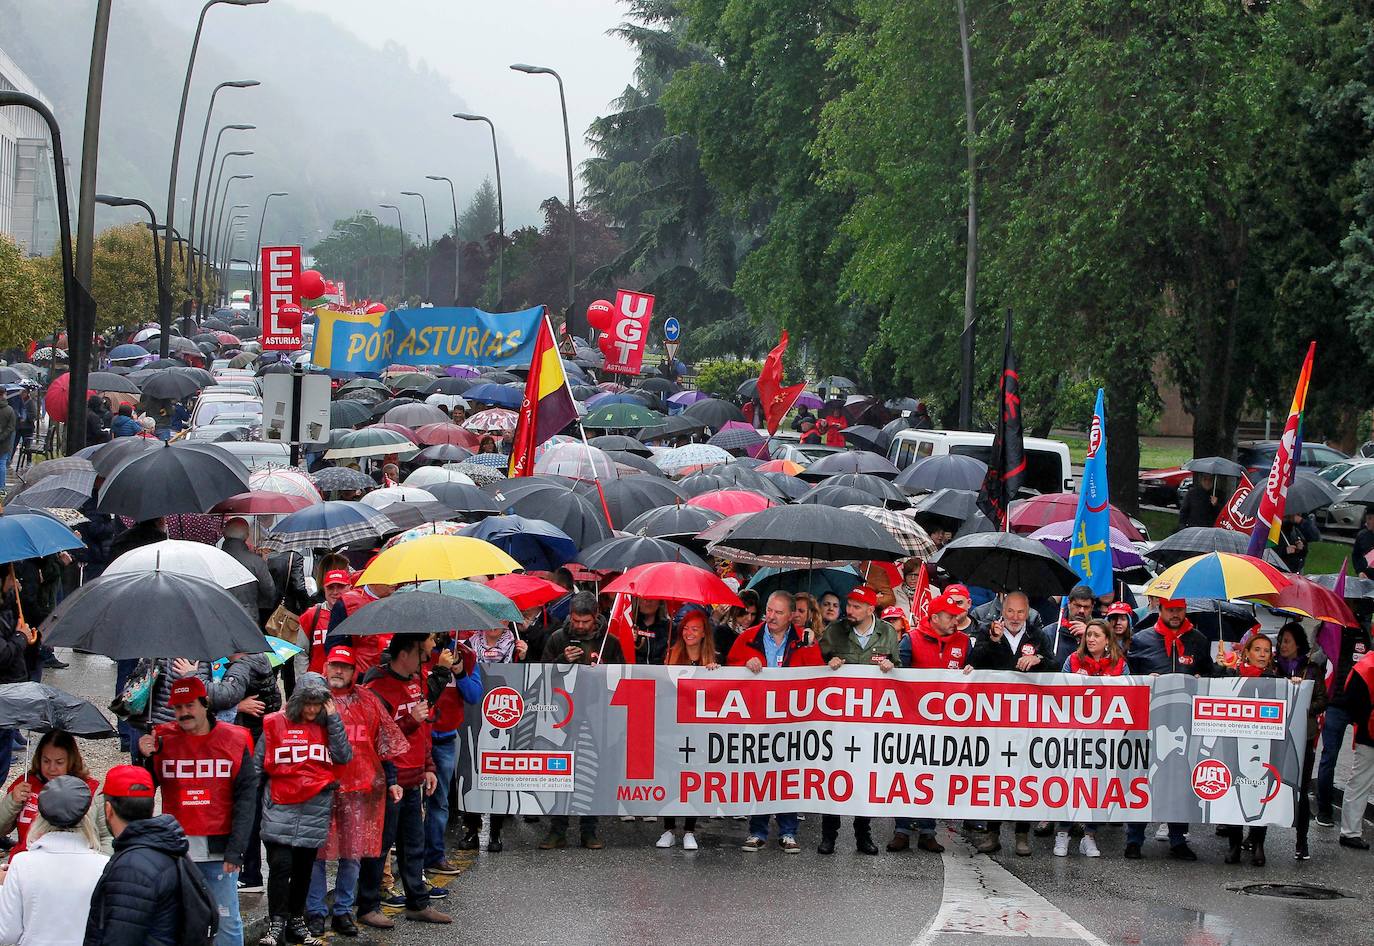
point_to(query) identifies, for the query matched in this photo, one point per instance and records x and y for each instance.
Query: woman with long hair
(737, 620)
(806, 617)
(692, 646)
(57, 754)
(1098, 655)
(1256, 660)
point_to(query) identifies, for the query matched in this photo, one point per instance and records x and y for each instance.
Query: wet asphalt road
(632, 894)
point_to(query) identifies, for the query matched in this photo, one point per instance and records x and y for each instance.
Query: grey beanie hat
(64, 801)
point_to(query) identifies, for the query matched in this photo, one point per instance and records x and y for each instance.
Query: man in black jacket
(1201, 504)
(1355, 643)
(137, 901)
(1364, 544)
(236, 546)
(1011, 643)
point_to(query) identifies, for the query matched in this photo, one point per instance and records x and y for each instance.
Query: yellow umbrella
(437, 557)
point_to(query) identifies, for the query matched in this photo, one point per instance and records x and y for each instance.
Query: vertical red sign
(624, 344)
(281, 315)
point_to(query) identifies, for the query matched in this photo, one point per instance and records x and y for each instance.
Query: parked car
(1167, 485)
(1346, 477)
(1163, 487)
(1048, 467)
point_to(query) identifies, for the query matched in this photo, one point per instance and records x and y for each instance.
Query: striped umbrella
(1218, 575)
(904, 529)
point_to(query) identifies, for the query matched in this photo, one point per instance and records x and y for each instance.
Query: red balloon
(376, 309)
(599, 315)
(310, 285)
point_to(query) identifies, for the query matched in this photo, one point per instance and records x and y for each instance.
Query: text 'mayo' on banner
(356, 342)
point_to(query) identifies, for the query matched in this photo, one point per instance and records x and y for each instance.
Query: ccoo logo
(1211, 779)
(503, 707)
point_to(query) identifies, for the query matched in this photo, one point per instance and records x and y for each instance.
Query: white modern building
(28, 187)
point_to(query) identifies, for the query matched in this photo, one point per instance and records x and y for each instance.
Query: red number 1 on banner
(637, 696)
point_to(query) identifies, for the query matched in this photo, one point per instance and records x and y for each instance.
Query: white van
(1048, 467)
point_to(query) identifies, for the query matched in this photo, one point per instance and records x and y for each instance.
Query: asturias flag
(548, 405)
(776, 399)
(1269, 517)
(1090, 553)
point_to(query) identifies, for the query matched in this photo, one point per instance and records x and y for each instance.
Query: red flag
(622, 625)
(1231, 518)
(920, 599)
(776, 399)
(548, 405)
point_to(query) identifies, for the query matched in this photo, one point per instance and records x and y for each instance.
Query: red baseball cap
(864, 595)
(341, 655)
(957, 589)
(128, 781)
(1173, 603)
(186, 690)
(337, 577)
(893, 612)
(1121, 607)
(946, 605)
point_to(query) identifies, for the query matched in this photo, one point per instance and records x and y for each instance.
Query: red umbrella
(432, 435)
(55, 401)
(526, 591)
(261, 502)
(397, 428)
(1027, 515)
(1311, 600)
(730, 502)
(225, 338)
(674, 581)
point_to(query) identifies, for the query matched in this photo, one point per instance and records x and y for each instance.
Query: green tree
(28, 307)
(480, 217)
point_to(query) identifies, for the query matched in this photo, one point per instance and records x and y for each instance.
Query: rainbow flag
(1269, 517)
(548, 405)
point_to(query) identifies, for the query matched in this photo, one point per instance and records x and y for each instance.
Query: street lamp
(210, 185)
(232, 232)
(200, 156)
(401, 227)
(380, 254)
(424, 208)
(365, 268)
(500, 203)
(257, 251)
(210, 223)
(572, 209)
(222, 225)
(457, 243)
(110, 201)
(166, 316)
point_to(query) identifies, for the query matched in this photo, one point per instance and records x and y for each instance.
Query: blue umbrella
(818, 581)
(496, 394)
(29, 535)
(533, 543)
(122, 352)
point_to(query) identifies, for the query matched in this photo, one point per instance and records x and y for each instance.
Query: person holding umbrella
(18, 651)
(863, 639)
(57, 755)
(300, 747)
(204, 768)
(1201, 504)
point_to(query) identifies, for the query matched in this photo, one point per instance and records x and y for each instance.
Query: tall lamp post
(166, 314)
(572, 208)
(424, 208)
(500, 202)
(364, 275)
(376, 230)
(232, 234)
(200, 159)
(402, 228)
(110, 201)
(221, 228)
(211, 184)
(217, 192)
(457, 243)
(257, 250)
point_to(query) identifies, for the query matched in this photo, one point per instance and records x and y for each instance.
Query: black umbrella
(902, 404)
(448, 386)
(368, 396)
(1307, 493)
(852, 461)
(1216, 466)
(245, 331)
(169, 386)
(890, 431)
(620, 442)
(348, 413)
(583, 520)
(863, 437)
(154, 614)
(810, 536)
(379, 410)
(45, 468)
(110, 382)
(581, 392)
(945, 471)
(341, 477)
(618, 555)
(714, 413)
(464, 498)
(37, 707)
(1200, 540)
(627, 498)
(660, 386)
(837, 496)
(748, 388)
(679, 425)
(789, 486)
(634, 461)
(108, 457)
(877, 487)
(189, 477)
(443, 453)
(61, 491)
(672, 522)
(1006, 562)
(730, 477)
(412, 514)
(417, 612)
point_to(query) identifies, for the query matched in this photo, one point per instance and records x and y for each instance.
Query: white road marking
(982, 898)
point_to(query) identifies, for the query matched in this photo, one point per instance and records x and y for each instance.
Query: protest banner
(351, 342)
(638, 740)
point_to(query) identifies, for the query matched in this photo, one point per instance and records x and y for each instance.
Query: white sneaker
(1061, 844)
(689, 841)
(1162, 832)
(627, 818)
(1088, 846)
(665, 839)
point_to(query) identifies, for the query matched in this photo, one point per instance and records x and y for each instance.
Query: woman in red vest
(1098, 655)
(300, 747)
(57, 754)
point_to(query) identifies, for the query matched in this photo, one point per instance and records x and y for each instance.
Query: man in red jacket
(205, 770)
(774, 643)
(398, 684)
(315, 621)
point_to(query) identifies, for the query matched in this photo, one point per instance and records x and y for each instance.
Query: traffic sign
(672, 329)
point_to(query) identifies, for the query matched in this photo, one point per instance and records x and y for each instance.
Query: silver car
(1346, 476)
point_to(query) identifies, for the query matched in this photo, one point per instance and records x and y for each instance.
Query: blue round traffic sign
(671, 329)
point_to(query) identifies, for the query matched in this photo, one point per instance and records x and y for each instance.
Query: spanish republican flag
(548, 406)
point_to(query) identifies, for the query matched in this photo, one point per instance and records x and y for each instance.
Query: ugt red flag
(776, 399)
(920, 599)
(622, 625)
(1232, 518)
(548, 405)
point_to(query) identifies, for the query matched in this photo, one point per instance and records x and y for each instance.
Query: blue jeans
(225, 889)
(923, 826)
(6, 752)
(445, 753)
(404, 828)
(1333, 736)
(345, 888)
(5, 466)
(787, 825)
(1135, 833)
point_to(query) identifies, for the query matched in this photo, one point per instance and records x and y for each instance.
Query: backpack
(199, 912)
